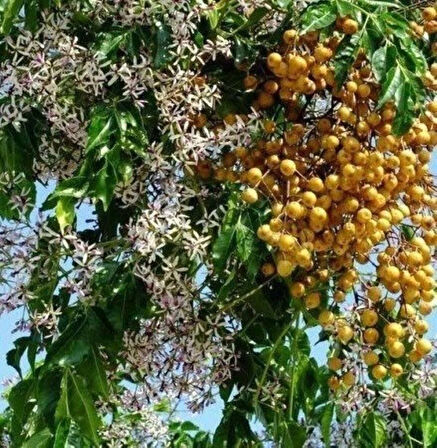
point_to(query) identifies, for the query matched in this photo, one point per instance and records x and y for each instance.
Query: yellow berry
(250, 195)
(379, 372)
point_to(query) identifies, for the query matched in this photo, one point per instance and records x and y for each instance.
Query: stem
(269, 359)
(245, 296)
(293, 367)
(404, 427)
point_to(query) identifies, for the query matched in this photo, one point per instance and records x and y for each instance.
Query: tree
(253, 171)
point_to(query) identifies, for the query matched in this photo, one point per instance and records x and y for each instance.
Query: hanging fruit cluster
(343, 189)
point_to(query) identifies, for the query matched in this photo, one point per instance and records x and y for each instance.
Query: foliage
(159, 295)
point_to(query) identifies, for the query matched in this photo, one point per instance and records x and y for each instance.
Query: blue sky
(211, 417)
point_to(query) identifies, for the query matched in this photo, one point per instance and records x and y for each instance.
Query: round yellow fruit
(396, 370)
(334, 363)
(250, 195)
(423, 346)
(379, 372)
(370, 358)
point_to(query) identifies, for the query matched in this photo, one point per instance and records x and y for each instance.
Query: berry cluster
(344, 189)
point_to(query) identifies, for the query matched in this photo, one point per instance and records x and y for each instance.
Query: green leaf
(245, 241)
(31, 15)
(345, 57)
(76, 403)
(104, 184)
(61, 434)
(294, 434)
(405, 105)
(412, 56)
(20, 401)
(163, 42)
(228, 286)
(47, 393)
(71, 346)
(391, 85)
(223, 247)
(110, 42)
(325, 423)
(16, 151)
(13, 356)
(65, 212)
(93, 370)
(261, 305)
(68, 436)
(256, 16)
(428, 419)
(39, 440)
(100, 128)
(372, 431)
(346, 8)
(10, 13)
(75, 187)
(319, 15)
(382, 60)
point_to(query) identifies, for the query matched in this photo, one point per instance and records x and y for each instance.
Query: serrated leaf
(405, 105)
(318, 16)
(295, 435)
(19, 398)
(411, 56)
(382, 60)
(428, 419)
(110, 42)
(227, 286)
(391, 85)
(259, 302)
(345, 57)
(245, 241)
(71, 346)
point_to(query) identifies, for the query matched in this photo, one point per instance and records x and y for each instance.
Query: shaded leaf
(318, 16)
(100, 128)
(345, 57)
(93, 370)
(76, 403)
(163, 42)
(405, 105)
(390, 85)
(223, 247)
(372, 430)
(71, 346)
(256, 16)
(104, 184)
(382, 60)
(39, 440)
(245, 241)
(325, 423)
